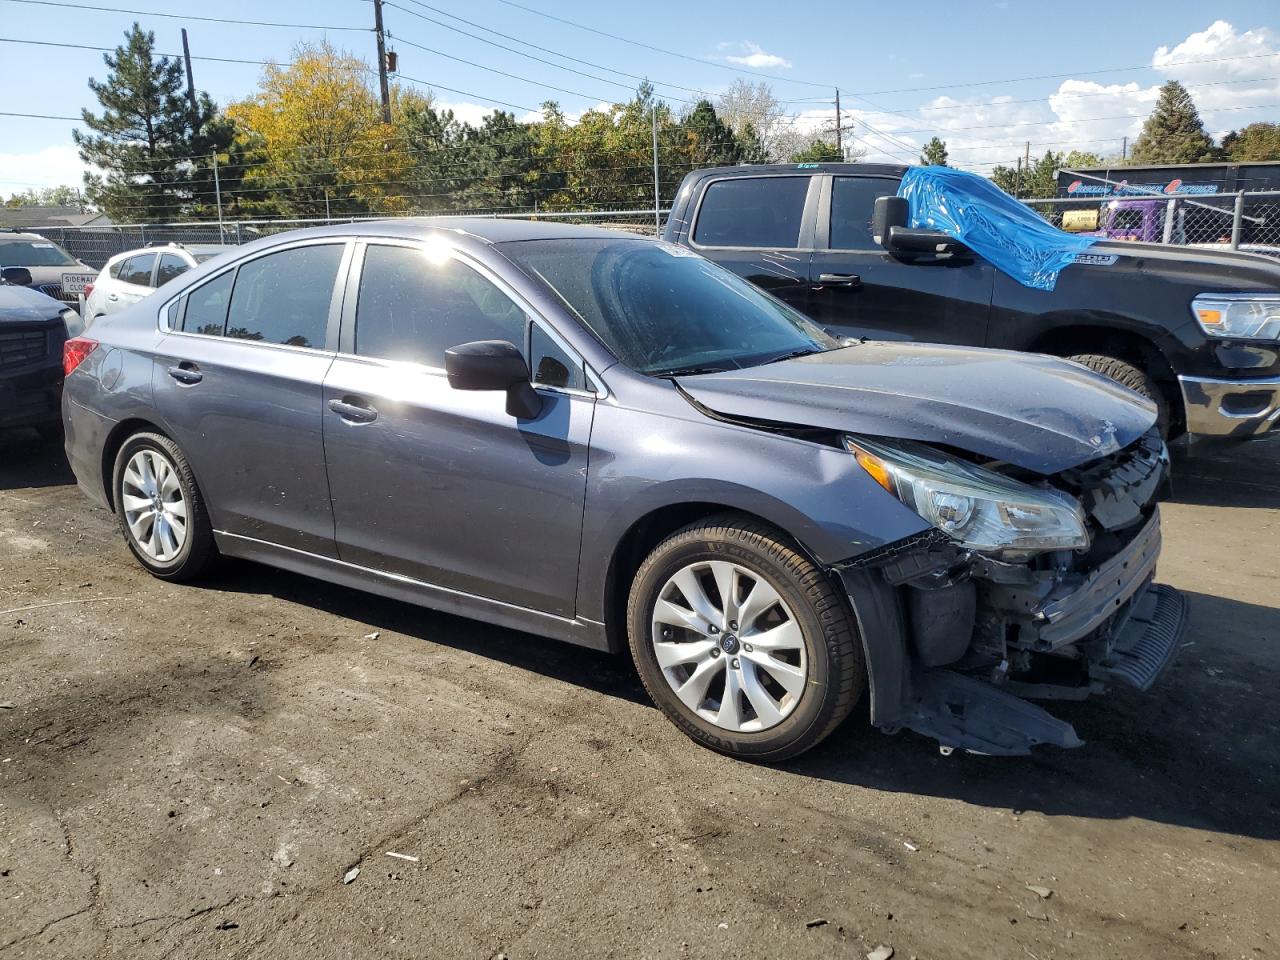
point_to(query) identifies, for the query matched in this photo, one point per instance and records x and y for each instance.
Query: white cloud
(754, 56)
(48, 167)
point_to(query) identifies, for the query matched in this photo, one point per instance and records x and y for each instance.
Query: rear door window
(207, 306)
(170, 267)
(284, 297)
(752, 212)
(853, 201)
(137, 270)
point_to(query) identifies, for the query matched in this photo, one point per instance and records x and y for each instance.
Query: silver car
(609, 440)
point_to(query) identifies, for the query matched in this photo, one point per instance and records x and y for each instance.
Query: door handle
(840, 279)
(187, 373)
(353, 411)
(113, 297)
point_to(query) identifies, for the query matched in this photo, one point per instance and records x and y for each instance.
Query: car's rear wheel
(1135, 378)
(160, 510)
(742, 641)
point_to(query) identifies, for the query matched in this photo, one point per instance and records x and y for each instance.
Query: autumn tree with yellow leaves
(313, 142)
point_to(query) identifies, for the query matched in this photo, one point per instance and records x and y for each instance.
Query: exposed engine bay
(958, 641)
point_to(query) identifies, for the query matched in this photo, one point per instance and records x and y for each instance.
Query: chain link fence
(96, 245)
(1237, 221)
(1240, 221)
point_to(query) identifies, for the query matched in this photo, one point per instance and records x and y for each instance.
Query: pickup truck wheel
(160, 509)
(1134, 378)
(743, 642)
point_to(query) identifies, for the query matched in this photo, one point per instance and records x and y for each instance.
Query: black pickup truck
(1197, 331)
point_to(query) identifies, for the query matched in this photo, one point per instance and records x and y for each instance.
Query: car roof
(759, 169)
(484, 229)
(19, 235)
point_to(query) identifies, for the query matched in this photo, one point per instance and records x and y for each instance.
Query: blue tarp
(1009, 234)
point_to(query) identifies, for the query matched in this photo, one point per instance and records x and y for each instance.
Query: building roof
(24, 217)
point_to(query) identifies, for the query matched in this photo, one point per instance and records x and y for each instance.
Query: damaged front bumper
(957, 643)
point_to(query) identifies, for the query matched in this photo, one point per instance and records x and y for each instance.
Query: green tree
(707, 140)
(1040, 179)
(148, 141)
(935, 153)
(818, 151)
(1173, 133)
(62, 196)
(1257, 142)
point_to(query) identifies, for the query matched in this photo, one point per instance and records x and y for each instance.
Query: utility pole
(1017, 182)
(191, 83)
(1124, 148)
(1026, 158)
(839, 127)
(657, 202)
(383, 85)
(217, 192)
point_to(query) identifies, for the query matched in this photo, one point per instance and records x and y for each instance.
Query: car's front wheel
(742, 641)
(160, 510)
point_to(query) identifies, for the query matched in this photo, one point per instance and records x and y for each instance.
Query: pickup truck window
(752, 212)
(853, 200)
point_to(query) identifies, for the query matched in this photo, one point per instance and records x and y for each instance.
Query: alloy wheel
(155, 509)
(729, 646)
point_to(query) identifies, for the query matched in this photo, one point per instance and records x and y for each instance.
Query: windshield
(33, 253)
(663, 310)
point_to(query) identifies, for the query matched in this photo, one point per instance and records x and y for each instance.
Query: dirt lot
(191, 771)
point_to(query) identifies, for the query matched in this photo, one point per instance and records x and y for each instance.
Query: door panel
(250, 424)
(444, 486)
(858, 289)
(240, 383)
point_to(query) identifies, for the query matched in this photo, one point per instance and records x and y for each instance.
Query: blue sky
(881, 60)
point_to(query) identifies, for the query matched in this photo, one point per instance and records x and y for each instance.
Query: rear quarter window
(752, 212)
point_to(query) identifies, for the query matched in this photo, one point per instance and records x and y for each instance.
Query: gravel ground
(193, 770)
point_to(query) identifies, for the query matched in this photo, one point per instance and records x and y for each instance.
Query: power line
(521, 53)
(174, 56)
(663, 50)
(183, 16)
(1052, 76)
(503, 73)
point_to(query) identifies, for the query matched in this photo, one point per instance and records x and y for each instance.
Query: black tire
(1135, 378)
(836, 673)
(198, 550)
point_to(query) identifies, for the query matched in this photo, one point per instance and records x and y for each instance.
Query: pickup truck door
(761, 228)
(858, 289)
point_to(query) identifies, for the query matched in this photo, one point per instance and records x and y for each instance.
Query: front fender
(642, 462)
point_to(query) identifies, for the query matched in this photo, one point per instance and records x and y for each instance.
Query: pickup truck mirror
(888, 212)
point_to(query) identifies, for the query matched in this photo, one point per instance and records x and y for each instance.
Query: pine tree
(1173, 133)
(1256, 142)
(147, 135)
(709, 141)
(935, 153)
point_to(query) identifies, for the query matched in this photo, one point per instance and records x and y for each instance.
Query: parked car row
(761, 490)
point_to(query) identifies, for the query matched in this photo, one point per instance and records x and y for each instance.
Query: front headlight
(981, 509)
(1245, 316)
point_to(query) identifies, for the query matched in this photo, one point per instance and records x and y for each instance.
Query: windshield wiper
(688, 371)
(806, 352)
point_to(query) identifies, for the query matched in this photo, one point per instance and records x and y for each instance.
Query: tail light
(88, 290)
(74, 353)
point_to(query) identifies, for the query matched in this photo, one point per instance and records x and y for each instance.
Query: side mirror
(494, 365)
(888, 212)
(18, 276)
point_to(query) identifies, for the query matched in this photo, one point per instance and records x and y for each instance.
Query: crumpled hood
(24, 305)
(1037, 412)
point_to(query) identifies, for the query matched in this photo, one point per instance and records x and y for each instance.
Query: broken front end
(1028, 588)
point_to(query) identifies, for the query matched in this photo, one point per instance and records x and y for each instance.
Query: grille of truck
(21, 347)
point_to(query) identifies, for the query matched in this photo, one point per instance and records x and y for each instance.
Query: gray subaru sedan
(609, 440)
